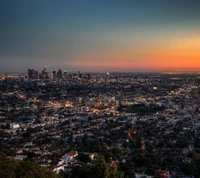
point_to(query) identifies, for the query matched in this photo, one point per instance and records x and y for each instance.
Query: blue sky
(86, 34)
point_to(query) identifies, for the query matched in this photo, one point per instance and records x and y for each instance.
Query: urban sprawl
(139, 124)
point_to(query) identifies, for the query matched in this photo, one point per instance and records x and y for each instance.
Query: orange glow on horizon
(183, 53)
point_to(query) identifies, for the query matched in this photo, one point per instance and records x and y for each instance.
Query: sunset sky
(100, 35)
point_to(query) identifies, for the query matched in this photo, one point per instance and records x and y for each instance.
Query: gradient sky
(99, 35)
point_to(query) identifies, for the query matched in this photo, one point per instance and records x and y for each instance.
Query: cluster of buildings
(54, 120)
(59, 74)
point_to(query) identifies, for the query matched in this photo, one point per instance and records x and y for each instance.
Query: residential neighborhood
(142, 124)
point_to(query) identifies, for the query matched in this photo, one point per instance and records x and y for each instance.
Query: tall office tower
(88, 76)
(51, 75)
(65, 74)
(41, 76)
(29, 74)
(75, 76)
(59, 73)
(45, 73)
(70, 76)
(36, 74)
(45, 68)
(32, 74)
(106, 79)
(79, 74)
(54, 75)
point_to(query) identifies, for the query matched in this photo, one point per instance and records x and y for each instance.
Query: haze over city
(91, 35)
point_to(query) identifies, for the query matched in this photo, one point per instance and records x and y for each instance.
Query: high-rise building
(59, 73)
(54, 75)
(75, 76)
(51, 75)
(45, 73)
(65, 75)
(36, 74)
(79, 74)
(89, 76)
(32, 74)
(41, 76)
(107, 75)
(29, 74)
(45, 68)
(70, 77)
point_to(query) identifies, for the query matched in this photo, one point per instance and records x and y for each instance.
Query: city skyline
(100, 36)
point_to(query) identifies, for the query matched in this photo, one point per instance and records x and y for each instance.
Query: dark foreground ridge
(23, 169)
